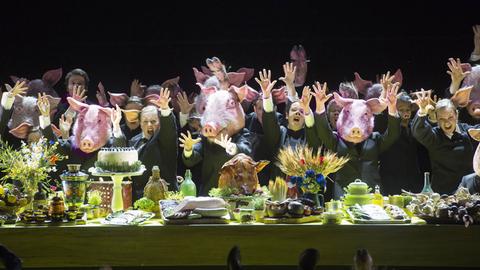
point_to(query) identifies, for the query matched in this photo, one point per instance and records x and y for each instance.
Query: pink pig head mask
(93, 128)
(223, 113)
(356, 120)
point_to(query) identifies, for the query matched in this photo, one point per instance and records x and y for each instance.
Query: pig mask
(298, 56)
(355, 122)
(473, 79)
(217, 69)
(25, 115)
(43, 85)
(223, 113)
(93, 128)
(475, 134)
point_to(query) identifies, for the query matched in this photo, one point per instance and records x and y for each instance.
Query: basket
(106, 189)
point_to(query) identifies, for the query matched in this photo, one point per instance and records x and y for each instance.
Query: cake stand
(117, 178)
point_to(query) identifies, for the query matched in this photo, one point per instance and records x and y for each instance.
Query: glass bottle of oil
(377, 197)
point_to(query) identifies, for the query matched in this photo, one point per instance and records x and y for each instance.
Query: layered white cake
(118, 159)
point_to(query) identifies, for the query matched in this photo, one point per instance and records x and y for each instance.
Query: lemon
(11, 199)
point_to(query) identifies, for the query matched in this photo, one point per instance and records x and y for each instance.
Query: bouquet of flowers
(308, 170)
(31, 164)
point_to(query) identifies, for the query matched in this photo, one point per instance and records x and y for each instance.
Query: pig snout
(86, 145)
(356, 132)
(210, 129)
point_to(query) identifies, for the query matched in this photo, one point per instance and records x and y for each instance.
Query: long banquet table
(187, 245)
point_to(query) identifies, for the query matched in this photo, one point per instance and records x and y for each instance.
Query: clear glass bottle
(188, 187)
(427, 185)
(377, 197)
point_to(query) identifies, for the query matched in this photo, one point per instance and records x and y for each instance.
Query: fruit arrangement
(12, 201)
(292, 208)
(462, 207)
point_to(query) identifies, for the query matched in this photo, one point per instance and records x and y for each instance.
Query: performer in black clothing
(354, 137)
(400, 165)
(449, 145)
(223, 135)
(157, 143)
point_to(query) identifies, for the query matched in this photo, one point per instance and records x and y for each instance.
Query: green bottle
(187, 187)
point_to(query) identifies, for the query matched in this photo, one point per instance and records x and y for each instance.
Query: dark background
(116, 42)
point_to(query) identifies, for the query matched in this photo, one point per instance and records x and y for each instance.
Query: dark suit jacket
(363, 158)
(451, 159)
(275, 137)
(400, 165)
(472, 182)
(160, 150)
(213, 157)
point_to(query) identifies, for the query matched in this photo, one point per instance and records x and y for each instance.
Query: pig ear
(54, 101)
(466, 67)
(474, 133)
(206, 71)
(261, 164)
(241, 92)
(398, 77)
(235, 78)
(16, 79)
(172, 81)
(341, 100)
(360, 84)
(279, 95)
(119, 99)
(21, 131)
(52, 77)
(106, 110)
(252, 95)
(149, 98)
(376, 106)
(461, 98)
(207, 90)
(77, 105)
(199, 76)
(249, 72)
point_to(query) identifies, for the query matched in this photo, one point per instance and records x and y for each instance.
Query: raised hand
(265, 84)
(321, 96)
(391, 97)
(289, 74)
(187, 142)
(185, 106)
(136, 88)
(43, 104)
(163, 99)
(305, 100)
(65, 125)
(226, 142)
(116, 116)
(79, 93)
(455, 70)
(386, 81)
(476, 39)
(101, 96)
(423, 100)
(18, 89)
